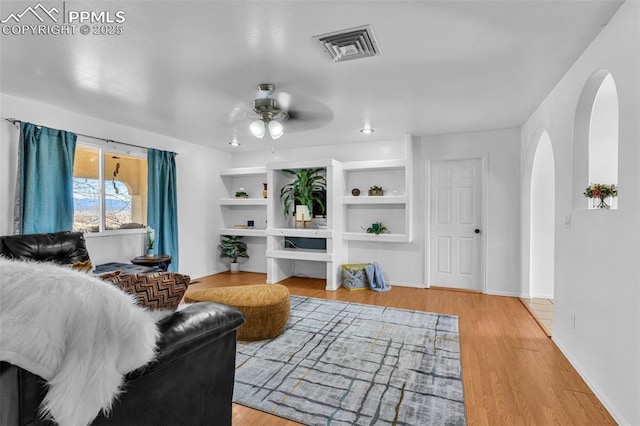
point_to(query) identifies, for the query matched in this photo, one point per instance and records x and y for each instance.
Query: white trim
(412, 285)
(115, 232)
(541, 296)
(502, 293)
(602, 396)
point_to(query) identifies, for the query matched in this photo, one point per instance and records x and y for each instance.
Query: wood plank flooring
(513, 374)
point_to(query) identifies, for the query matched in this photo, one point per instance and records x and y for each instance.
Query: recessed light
(367, 130)
(234, 142)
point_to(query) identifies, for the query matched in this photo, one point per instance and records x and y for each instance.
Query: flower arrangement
(601, 191)
(151, 237)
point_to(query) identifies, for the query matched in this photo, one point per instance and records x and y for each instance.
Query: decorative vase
(264, 190)
(234, 267)
(150, 252)
(601, 203)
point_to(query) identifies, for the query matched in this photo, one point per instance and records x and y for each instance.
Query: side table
(160, 260)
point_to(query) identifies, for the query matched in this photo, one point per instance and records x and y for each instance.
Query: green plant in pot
(306, 188)
(232, 247)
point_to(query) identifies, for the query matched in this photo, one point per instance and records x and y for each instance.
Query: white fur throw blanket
(75, 331)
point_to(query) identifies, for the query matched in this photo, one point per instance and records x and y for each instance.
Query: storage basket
(354, 277)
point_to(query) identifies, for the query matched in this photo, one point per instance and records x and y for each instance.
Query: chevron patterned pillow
(160, 290)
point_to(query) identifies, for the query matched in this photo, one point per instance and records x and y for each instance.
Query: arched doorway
(540, 247)
(542, 220)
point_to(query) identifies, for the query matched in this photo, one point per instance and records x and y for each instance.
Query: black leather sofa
(189, 383)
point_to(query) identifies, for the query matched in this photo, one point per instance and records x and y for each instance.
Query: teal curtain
(45, 179)
(162, 203)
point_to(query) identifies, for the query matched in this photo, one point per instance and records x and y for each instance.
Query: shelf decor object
(376, 191)
(599, 193)
(302, 215)
(264, 190)
(241, 193)
(377, 228)
(305, 189)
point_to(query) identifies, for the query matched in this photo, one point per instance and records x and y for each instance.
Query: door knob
(477, 231)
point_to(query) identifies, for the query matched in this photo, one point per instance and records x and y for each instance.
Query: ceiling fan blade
(284, 100)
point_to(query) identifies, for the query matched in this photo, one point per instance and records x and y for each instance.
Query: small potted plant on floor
(232, 247)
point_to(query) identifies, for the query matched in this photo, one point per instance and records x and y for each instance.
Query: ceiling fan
(269, 113)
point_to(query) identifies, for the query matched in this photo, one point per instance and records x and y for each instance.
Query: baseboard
(413, 285)
(619, 418)
(461, 290)
(541, 296)
(502, 293)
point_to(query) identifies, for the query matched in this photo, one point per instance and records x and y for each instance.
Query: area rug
(340, 363)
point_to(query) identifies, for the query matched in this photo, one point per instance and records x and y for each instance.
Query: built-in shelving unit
(239, 211)
(281, 227)
(347, 216)
(393, 209)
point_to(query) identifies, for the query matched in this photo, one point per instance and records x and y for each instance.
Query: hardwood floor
(512, 372)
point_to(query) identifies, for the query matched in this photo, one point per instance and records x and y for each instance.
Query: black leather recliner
(189, 383)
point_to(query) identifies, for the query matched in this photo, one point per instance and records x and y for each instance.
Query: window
(109, 189)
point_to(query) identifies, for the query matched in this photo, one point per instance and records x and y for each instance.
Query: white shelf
(255, 232)
(299, 232)
(300, 254)
(244, 171)
(243, 201)
(382, 238)
(362, 166)
(383, 199)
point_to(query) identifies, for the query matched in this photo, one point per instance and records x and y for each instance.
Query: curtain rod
(14, 121)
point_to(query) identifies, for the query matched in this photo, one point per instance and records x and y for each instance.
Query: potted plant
(151, 238)
(241, 193)
(377, 228)
(376, 191)
(306, 188)
(232, 247)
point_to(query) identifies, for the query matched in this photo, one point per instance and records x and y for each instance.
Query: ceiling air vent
(354, 43)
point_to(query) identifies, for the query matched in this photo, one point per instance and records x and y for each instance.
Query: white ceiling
(190, 69)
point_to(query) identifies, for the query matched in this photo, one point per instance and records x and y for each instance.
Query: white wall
(503, 203)
(597, 280)
(198, 183)
(403, 263)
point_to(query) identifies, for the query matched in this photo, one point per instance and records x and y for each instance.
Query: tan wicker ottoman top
(265, 307)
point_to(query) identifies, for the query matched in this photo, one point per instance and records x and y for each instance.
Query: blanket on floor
(80, 334)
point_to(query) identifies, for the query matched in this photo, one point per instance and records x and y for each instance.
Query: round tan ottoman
(265, 307)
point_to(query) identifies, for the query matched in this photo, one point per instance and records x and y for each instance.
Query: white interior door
(455, 219)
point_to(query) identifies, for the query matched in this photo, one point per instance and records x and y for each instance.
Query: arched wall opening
(542, 220)
(595, 144)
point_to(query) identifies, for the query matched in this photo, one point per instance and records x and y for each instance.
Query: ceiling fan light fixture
(258, 128)
(276, 129)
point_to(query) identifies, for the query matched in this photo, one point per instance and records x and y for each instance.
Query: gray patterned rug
(341, 363)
